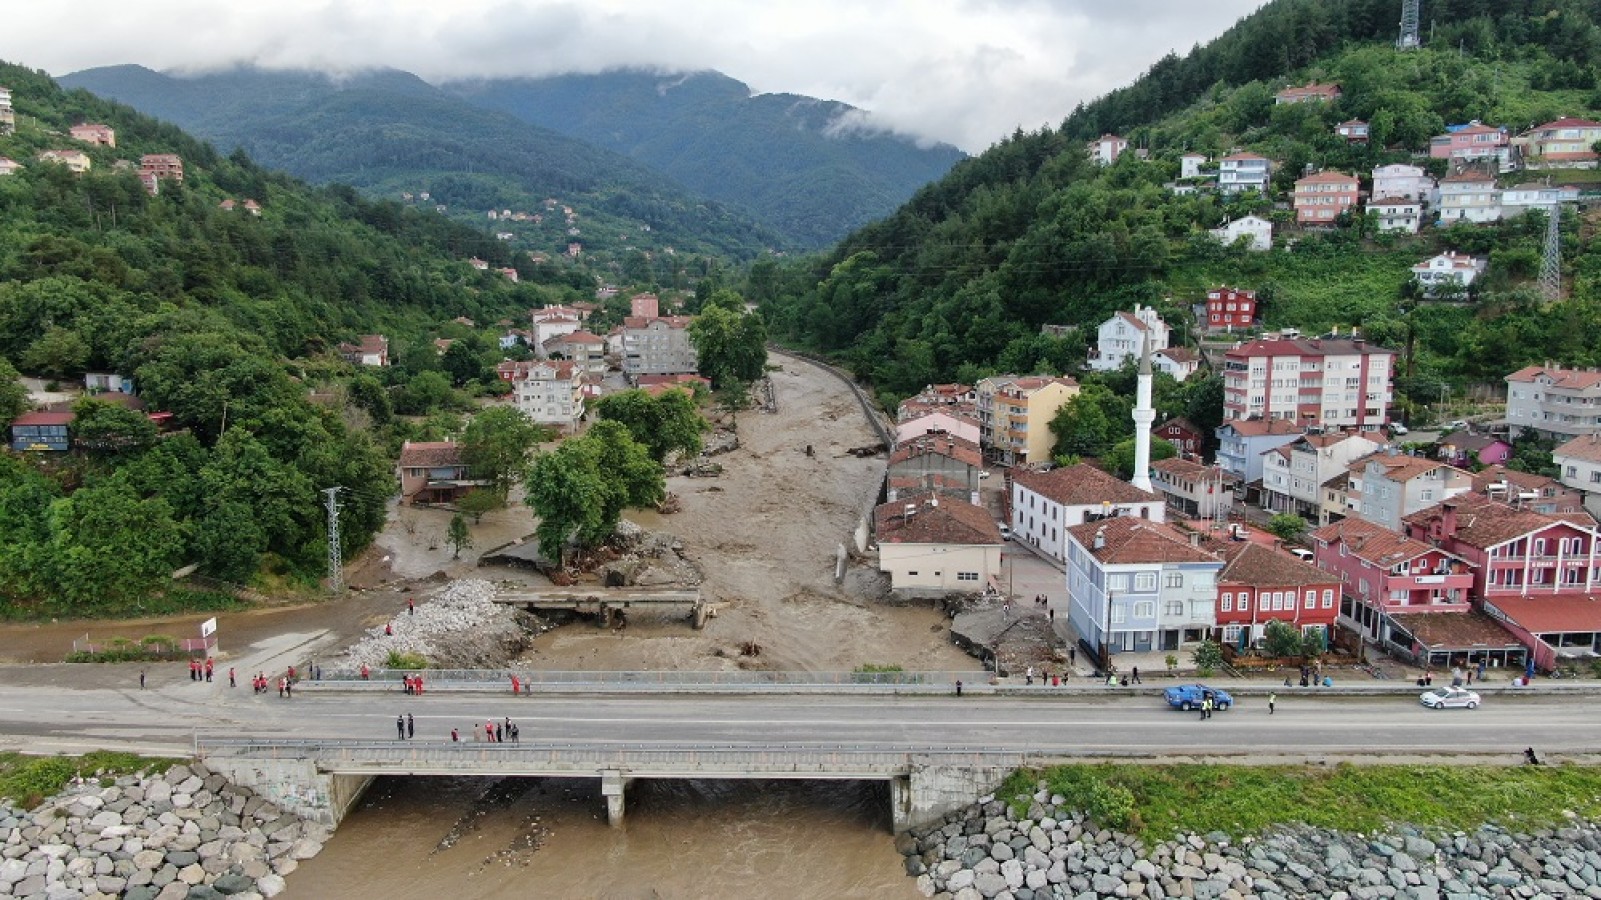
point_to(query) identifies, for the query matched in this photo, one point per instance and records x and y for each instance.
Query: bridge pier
(613, 784)
(929, 791)
(297, 785)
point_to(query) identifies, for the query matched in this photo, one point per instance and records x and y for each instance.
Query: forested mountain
(957, 283)
(794, 162)
(389, 133)
(226, 320)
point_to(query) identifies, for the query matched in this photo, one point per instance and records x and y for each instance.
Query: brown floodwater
(428, 838)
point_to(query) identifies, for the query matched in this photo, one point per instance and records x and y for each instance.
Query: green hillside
(957, 283)
(784, 159)
(389, 133)
(227, 321)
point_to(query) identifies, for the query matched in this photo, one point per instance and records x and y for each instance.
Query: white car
(1441, 697)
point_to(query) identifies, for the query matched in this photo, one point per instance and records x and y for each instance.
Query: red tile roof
(939, 520)
(1252, 563)
(1456, 630)
(1571, 379)
(1374, 543)
(1482, 522)
(1328, 178)
(947, 445)
(1131, 540)
(1548, 613)
(44, 418)
(1586, 447)
(1082, 485)
(1261, 427)
(430, 454)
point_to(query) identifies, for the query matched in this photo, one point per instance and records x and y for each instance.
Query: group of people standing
(413, 683)
(491, 731)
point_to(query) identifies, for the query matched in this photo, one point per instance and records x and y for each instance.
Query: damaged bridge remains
(605, 604)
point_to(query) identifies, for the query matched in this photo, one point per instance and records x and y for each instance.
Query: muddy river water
(429, 838)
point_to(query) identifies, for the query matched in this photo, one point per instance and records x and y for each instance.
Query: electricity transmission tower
(1551, 266)
(1409, 26)
(336, 567)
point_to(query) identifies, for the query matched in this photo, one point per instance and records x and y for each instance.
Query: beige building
(933, 542)
(75, 160)
(659, 346)
(1014, 416)
(548, 392)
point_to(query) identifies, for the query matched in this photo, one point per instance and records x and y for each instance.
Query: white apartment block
(1333, 382)
(548, 392)
(1554, 401)
(1404, 182)
(1469, 196)
(1256, 228)
(1243, 172)
(1122, 338)
(1397, 214)
(658, 346)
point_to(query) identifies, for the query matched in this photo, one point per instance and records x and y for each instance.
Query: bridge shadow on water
(469, 837)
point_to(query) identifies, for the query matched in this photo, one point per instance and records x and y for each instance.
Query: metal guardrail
(646, 680)
(688, 759)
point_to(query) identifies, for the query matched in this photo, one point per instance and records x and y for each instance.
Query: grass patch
(875, 668)
(398, 660)
(27, 780)
(1241, 800)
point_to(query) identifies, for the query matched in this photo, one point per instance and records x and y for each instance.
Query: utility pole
(335, 563)
(1551, 266)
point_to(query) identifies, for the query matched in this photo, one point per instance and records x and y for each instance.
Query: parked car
(1189, 696)
(1006, 531)
(1302, 554)
(1397, 429)
(1441, 697)
(1457, 424)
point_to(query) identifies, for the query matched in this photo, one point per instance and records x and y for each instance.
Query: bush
(1112, 806)
(1280, 639)
(1208, 657)
(398, 660)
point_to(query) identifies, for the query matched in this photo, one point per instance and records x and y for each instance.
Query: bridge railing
(583, 757)
(535, 679)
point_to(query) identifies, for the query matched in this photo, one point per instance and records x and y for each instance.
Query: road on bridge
(52, 719)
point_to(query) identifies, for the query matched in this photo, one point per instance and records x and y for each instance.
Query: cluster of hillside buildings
(1442, 558)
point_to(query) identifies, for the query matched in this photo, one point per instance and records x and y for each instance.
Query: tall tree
(106, 429)
(13, 394)
(663, 423)
(497, 445)
(110, 549)
(730, 343)
(581, 488)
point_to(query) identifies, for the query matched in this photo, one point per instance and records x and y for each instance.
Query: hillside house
(586, 349)
(1469, 195)
(1185, 437)
(1191, 165)
(1107, 148)
(548, 392)
(44, 431)
(1526, 490)
(551, 322)
(162, 166)
(1391, 486)
(1566, 142)
(1320, 198)
(1228, 308)
(1193, 490)
(929, 542)
(1397, 214)
(1354, 131)
(1122, 337)
(1139, 586)
(1579, 462)
(1178, 362)
(433, 472)
(369, 350)
(1046, 504)
(1257, 231)
(1243, 172)
(1474, 141)
(1242, 445)
(1331, 382)
(956, 399)
(1554, 401)
(94, 133)
(9, 166)
(1515, 201)
(8, 116)
(1449, 274)
(1467, 448)
(1406, 182)
(1258, 585)
(76, 161)
(1308, 93)
(1014, 416)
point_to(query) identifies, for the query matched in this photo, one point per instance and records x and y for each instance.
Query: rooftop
(430, 454)
(1482, 522)
(936, 520)
(1456, 630)
(1126, 540)
(1082, 485)
(1372, 542)
(942, 444)
(1549, 613)
(1251, 563)
(1586, 447)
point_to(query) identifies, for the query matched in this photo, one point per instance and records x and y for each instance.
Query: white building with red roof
(1135, 585)
(1448, 272)
(548, 392)
(1107, 148)
(658, 346)
(1121, 338)
(1554, 401)
(1469, 195)
(1014, 416)
(1568, 141)
(586, 349)
(433, 472)
(932, 542)
(1332, 382)
(1243, 172)
(368, 350)
(1046, 504)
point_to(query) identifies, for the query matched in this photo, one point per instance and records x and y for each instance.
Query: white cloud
(963, 71)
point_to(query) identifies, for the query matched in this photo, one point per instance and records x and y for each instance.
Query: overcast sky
(962, 71)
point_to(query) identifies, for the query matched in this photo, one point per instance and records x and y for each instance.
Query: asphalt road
(49, 719)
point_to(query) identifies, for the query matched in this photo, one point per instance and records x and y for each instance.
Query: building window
(1174, 580)
(1227, 603)
(1311, 599)
(1174, 608)
(1245, 602)
(1145, 581)
(1328, 598)
(1119, 614)
(1145, 609)
(966, 576)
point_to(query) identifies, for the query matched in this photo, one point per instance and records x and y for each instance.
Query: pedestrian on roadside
(411, 726)
(1470, 677)
(141, 679)
(208, 670)
(289, 689)
(193, 672)
(231, 681)
(515, 684)
(1272, 699)
(389, 630)
(1072, 656)
(280, 688)
(958, 687)
(1206, 708)
(455, 736)
(1028, 675)
(316, 673)
(411, 607)
(507, 730)
(1136, 673)
(365, 671)
(1006, 610)
(400, 727)
(419, 684)
(478, 733)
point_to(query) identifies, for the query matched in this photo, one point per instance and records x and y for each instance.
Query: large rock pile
(986, 851)
(184, 834)
(459, 627)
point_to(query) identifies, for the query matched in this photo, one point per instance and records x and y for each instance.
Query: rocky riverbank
(185, 833)
(986, 851)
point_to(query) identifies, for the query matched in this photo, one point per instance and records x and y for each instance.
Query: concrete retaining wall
(295, 785)
(930, 792)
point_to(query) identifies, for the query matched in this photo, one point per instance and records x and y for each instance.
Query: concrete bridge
(605, 603)
(323, 779)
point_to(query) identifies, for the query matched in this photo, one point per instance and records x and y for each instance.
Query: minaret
(1144, 415)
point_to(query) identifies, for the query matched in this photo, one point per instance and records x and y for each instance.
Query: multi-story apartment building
(1135, 585)
(1046, 504)
(1397, 214)
(1107, 148)
(1388, 580)
(8, 116)
(1293, 476)
(1243, 172)
(1192, 489)
(1321, 197)
(1122, 337)
(1333, 382)
(1554, 401)
(549, 392)
(1536, 574)
(1242, 444)
(1474, 141)
(586, 349)
(552, 321)
(1389, 487)
(1515, 201)
(1578, 463)
(658, 346)
(1014, 416)
(94, 133)
(1526, 490)
(162, 165)
(1404, 182)
(1228, 308)
(1469, 195)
